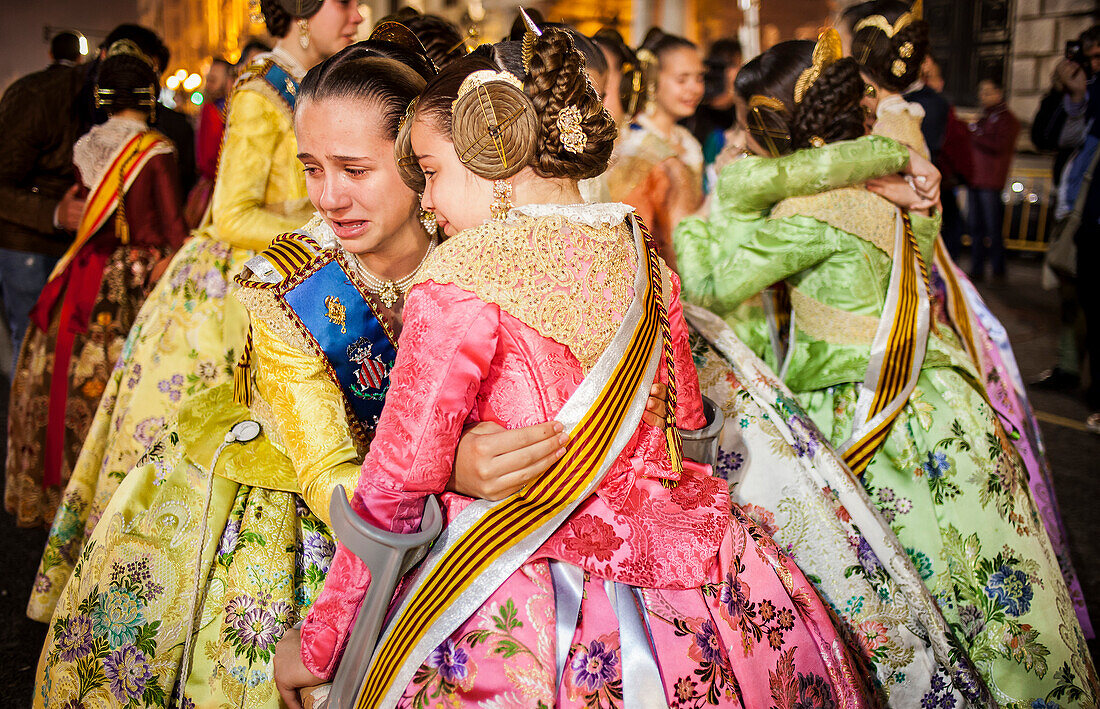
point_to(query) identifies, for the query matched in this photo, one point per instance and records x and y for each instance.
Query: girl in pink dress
(621, 577)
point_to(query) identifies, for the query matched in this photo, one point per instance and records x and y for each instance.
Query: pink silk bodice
(462, 360)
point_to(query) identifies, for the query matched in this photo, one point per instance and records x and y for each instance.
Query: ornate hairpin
(827, 52)
(767, 125)
(485, 76)
(528, 47)
(916, 12)
(410, 158)
(572, 135)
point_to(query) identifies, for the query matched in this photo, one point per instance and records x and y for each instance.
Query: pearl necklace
(388, 291)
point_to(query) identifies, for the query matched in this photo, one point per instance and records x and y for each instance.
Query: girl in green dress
(896, 395)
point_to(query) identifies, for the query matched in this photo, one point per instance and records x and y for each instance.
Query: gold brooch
(336, 313)
(898, 67)
(573, 137)
(906, 50)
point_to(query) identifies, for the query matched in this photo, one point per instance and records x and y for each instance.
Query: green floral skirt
(159, 581)
(958, 498)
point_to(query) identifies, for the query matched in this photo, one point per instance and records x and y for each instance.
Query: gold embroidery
(903, 127)
(831, 324)
(851, 209)
(571, 289)
(336, 313)
(263, 305)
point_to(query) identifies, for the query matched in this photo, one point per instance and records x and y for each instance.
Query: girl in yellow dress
(189, 334)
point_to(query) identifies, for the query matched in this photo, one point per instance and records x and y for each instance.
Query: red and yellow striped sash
(958, 311)
(105, 196)
(520, 518)
(903, 354)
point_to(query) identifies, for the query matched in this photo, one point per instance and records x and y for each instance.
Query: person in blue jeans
(38, 126)
(993, 141)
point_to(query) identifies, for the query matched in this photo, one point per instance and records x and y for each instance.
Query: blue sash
(340, 320)
(276, 77)
(283, 83)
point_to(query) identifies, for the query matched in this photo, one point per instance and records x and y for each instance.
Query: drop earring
(427, 219)
(502, 199)
(303, 33)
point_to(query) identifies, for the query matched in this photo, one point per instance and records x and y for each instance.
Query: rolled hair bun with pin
(500, 123)
(889, 40)
(278, 14)
(126, 79)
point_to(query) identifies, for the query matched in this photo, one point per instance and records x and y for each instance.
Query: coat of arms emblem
(372, 372)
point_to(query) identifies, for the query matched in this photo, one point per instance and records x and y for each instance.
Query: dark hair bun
(556, 80)
(126, 81)
(892, 57)
(279, 13)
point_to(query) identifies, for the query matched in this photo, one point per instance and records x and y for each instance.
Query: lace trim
(827, 323)
(262, 304)
(609, 214)
(93, 153)
(897, 104)
(851, 209)
(569, 281)
(286, 60)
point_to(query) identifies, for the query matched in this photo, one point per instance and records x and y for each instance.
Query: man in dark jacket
(38, 207)
(936, 110)
(993, 140)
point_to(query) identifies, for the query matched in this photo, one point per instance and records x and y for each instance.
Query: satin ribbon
(643, 687)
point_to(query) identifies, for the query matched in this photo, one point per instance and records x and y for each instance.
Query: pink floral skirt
(754, 635)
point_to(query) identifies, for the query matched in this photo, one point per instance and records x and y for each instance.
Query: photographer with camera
(1062, 125)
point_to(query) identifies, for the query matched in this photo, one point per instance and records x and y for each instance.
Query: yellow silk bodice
(260, 190)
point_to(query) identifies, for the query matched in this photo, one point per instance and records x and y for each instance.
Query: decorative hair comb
(827, 52)
(128, 48)
(916, 12)
(528, 47)
(402, 36)
(765, 123)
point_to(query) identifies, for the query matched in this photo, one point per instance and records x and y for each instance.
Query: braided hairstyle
(891, 62)
(829, 110)
(277, 15)
(130, 81)
(526, 130)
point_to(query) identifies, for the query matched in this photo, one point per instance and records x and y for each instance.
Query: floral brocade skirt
(955, 492)
(790, 481)
(125, 283)
(183, 564)
(186, 339)
(754, 635)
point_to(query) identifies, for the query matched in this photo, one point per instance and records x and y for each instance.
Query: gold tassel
(675, 446)
(242, 374)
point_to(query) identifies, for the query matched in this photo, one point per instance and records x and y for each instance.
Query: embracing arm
(757, 184)
(309, 411)
(253, 131)
(433, 385)
(779, 248)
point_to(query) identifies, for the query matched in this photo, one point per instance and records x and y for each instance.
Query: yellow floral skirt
(183, 562)
(186, 339)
